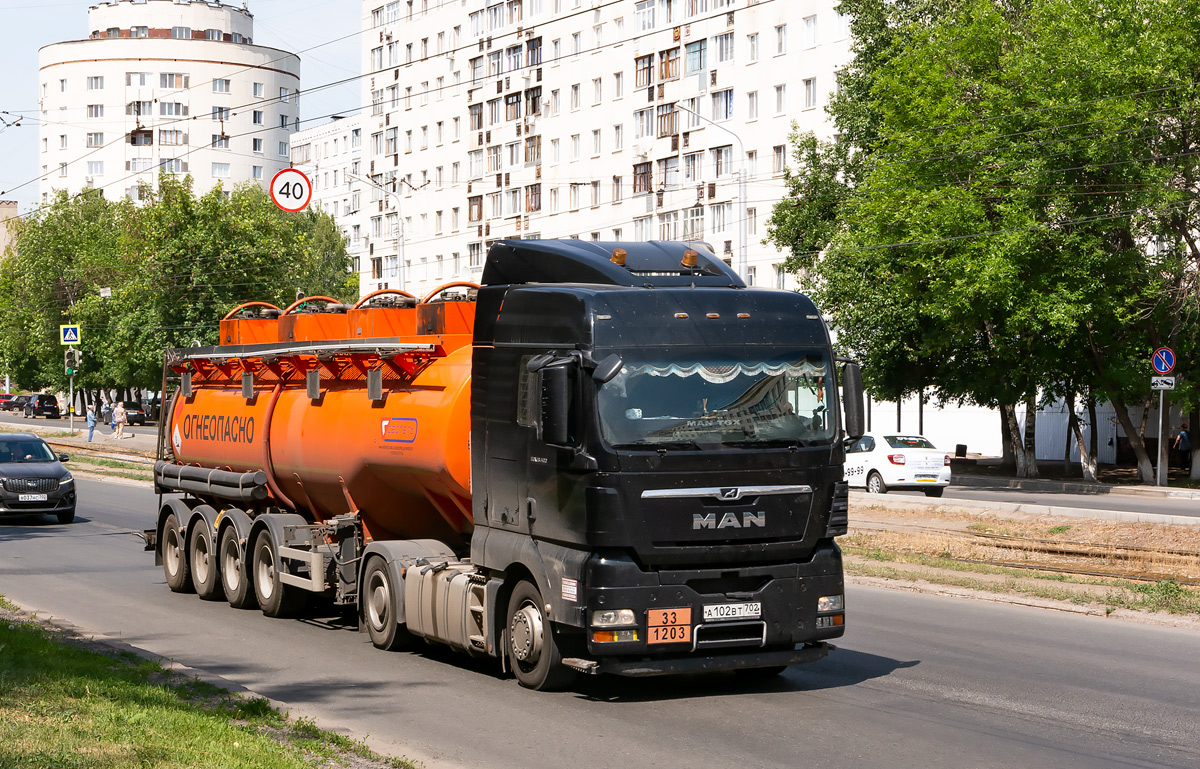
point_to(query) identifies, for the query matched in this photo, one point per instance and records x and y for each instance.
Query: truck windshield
(718, 402)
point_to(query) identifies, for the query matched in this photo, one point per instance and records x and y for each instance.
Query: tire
(203, 561)
(174, 557)
(66, 516)
(379, 608)
(234, 580)
(532, 649)
(274, 598)
(935, 491)
(875, 484)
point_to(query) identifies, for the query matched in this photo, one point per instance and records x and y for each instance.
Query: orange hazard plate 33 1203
(669, 626)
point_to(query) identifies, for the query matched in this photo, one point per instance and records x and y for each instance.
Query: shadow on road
(23, 528)
(842, 668)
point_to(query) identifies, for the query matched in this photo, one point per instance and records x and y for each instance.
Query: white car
(878, 462)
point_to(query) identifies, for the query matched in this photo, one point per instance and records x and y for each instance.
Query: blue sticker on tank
(397, 430)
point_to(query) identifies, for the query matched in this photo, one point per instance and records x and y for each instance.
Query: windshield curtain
(25, 450)
(719, 401)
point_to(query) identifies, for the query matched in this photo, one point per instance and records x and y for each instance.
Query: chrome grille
(39, 485)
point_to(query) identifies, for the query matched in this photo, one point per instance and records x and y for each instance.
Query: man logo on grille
(733, 493)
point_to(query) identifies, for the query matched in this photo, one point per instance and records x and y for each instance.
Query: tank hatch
(649, 264)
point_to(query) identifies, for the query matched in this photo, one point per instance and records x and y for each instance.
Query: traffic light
(71, 360)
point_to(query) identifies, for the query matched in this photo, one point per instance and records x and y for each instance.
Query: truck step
(478, 642)
(582, 665)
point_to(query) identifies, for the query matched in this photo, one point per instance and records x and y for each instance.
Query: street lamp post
(741, 193)
(400, 271)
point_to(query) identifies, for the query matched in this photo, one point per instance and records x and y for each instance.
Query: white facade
(331, 156)
(624, 120)
(175, 85)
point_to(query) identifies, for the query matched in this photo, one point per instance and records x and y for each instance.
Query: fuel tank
(401, 459)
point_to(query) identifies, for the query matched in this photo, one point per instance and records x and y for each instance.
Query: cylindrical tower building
(172, 85)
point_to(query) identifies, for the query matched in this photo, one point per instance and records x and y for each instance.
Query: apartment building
(331, 155)
(165, 85)
(597, 119)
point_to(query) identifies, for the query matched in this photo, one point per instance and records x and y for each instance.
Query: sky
(324, 33)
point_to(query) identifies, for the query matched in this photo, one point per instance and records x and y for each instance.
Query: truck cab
(659, 449)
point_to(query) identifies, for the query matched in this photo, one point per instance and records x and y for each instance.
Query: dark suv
(42, 406)
(33, 480)
(134, 413)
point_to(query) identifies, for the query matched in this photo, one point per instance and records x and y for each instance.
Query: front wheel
(203, 563)
(66, 516)
(875, 484)
(274, 598)
(238, 590)
(174, 557)
(532, 650)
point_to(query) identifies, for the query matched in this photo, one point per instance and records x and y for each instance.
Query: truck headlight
(613, 618)
(829, 603)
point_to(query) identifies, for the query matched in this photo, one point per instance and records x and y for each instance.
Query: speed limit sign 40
(291, 190)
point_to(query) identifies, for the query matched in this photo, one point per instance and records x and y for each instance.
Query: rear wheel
(532, 649)
(203, 562)
(238, 590)
(274, 598)
(935, 491)
(174, 557)
(875, 484)
(379, 608)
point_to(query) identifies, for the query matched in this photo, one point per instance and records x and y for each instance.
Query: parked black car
(33, 480)
(134, 413)
(42, 406)
(16, 403)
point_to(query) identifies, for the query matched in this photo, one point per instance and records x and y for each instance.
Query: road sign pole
(71, 405)
(1162, 438)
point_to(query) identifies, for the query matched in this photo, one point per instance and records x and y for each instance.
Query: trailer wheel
(274, 598)
(532, 650)
(238, 590)
(203, 563)
(379, 608)
(174, 557)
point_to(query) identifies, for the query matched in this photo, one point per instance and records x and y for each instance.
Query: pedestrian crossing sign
(68, 334)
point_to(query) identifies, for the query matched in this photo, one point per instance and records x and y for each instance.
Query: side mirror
(852, 401)
(555, 406)
(607, 369)
(64, 457)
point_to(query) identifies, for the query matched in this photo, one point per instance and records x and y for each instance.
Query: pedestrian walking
(119, 418)
(91, 420)
(1183, 444)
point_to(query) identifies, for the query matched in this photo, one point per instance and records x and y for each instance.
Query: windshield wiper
(761, 442)
(680, 444)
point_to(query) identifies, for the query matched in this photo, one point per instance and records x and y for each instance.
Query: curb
(863, 500)
(1072, 487)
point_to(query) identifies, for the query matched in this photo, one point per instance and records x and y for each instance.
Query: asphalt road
(918, 681)
(15, 422)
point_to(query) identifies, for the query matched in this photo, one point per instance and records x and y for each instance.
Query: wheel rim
(171, 550)
(231, 565)
(201, 564)
(379, 601)
(264, 572)
(525, 634)
(873, 484)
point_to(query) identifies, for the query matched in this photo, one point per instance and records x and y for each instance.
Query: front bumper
(56, 501)
(786, 596)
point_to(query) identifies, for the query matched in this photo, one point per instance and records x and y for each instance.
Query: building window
(256, 173)
(220, 85)
(693, 223)
(139, 79)
(512, 106)
(810, 31)
(283, 149)
(575, 96)
(644, 14)
(722, 158)
(781, 39)
(95, 139)
(257, 145)
(781, 97)
(574, 146)
(173, 80)
(533, 149)
(722, 105)
(618, 138)
(181, 33)
(810, 92)
(777, 160)
(259, 90)
(222, 113)
(62, 169)
(139, 32)
(752, 105)
(696, 57)
(691, 166)
(220, 170)
(95, 168)
(95, 110)
(171, 138)
(668, 226)
(643, 67)
(618, 193)
(668, 120)
(723, 47)
(752, 47)
(642, 179)
(95, 83)
(668, 64)
(533, 101)
(172, 109)
(139, 108)
(722, 216)
(643, 121)
(752, 163)
(597, 90)
(533, 198)
(141, 138)
(474, 255)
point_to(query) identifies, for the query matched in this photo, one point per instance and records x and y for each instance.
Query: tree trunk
(1069, 410)
(1031, 467)
(1087, 460)
(1008, 460)
(1009, 412)
(1193, 421)
(1145, 467)
(1094, 437)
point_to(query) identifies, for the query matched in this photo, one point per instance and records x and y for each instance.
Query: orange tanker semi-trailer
(520, 470)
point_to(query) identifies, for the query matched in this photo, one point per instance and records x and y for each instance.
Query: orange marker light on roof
(689, 258)
(618, 257)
